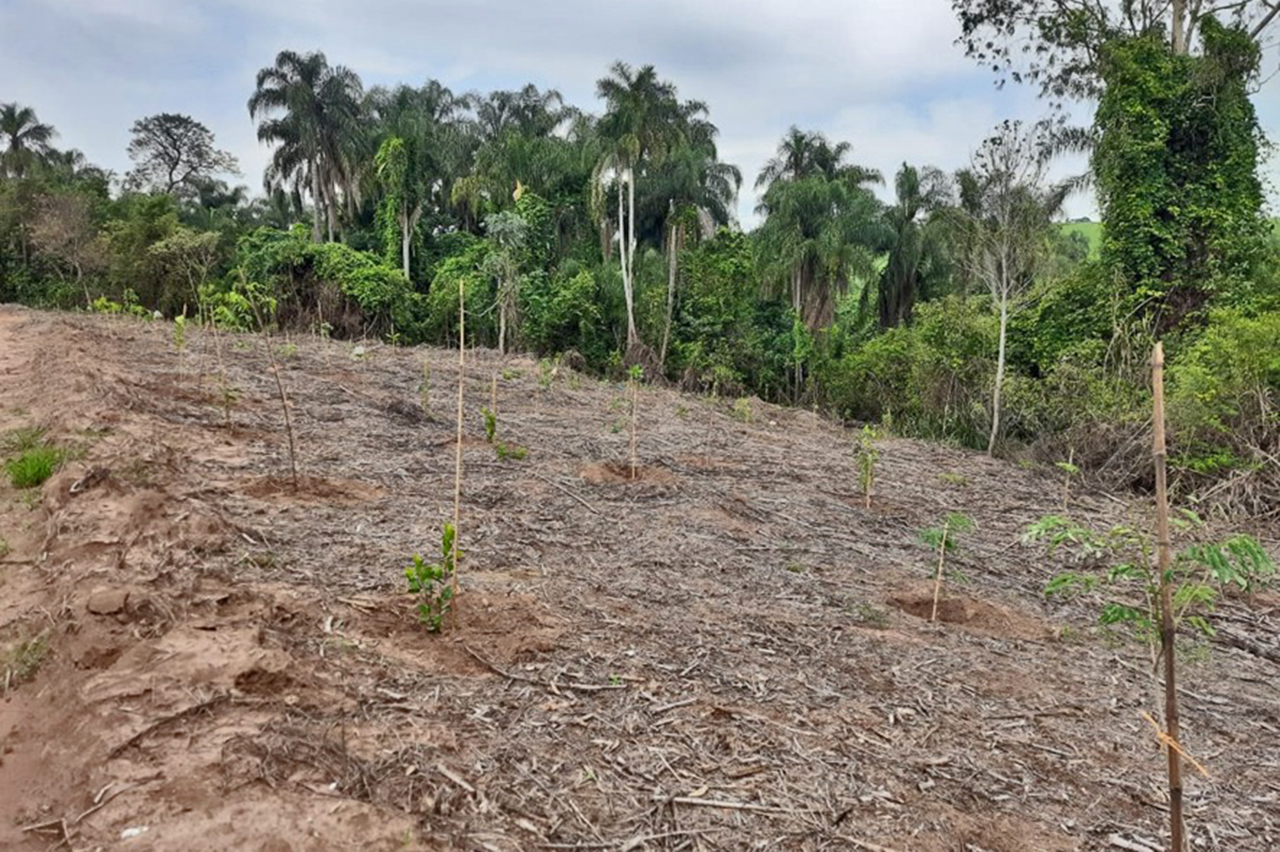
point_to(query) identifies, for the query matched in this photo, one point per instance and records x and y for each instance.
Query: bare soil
(726, 651)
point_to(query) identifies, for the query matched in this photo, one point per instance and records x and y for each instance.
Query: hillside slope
(729, 652)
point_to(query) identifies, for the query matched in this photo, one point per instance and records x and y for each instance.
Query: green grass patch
(34, 466)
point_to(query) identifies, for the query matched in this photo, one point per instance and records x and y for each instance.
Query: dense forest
(961, 310)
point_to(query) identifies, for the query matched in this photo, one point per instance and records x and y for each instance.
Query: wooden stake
(937, 580)
(493, 394)
(284, 407)
(1163, 558)
(635, 403)
(457, 467)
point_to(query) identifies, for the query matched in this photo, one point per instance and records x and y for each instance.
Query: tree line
(957, 310)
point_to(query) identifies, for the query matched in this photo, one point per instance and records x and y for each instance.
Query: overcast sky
(884, 75)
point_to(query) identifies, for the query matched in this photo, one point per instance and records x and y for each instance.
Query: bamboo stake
(493, 394)
(635, 403)
(457, 467)
(937, 580)
(284, 407)
(1163, 557)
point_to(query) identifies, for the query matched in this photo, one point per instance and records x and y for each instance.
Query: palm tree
(643, 121)
(528, 112)
(315, 116)
(916, 244)
(803, 154)
(25, 138)
(820, 221)
(697, 189)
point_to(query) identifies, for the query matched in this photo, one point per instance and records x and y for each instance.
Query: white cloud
(882, 74)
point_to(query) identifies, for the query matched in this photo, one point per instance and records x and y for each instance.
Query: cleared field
(727, 652)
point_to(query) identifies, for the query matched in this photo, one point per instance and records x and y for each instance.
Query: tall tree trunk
(502, 324)
(404, 241)
(317, 199)
(632, 335)
(796, 303)
(626, 270)
(995, 396)
(671, 291)
(1180, 27)
(331, 211)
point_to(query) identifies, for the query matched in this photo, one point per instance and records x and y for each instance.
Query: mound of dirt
(982, 616)
(619, 473)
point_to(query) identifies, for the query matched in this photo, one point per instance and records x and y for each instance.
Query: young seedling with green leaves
(1069, 470)
(867, 453)
(180, 338)
(1119, 563)
(490, 424)
(742, 410)
(433, 582)
(944, 539)
(263, 306)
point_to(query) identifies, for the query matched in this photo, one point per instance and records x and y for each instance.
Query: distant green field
(1093, 232)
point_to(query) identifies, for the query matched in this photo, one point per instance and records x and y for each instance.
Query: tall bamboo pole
(457, 467)
(1163, 558)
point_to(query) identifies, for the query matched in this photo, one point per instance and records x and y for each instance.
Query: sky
(884, 75)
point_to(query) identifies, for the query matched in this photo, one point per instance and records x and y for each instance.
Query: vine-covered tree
(175, 154)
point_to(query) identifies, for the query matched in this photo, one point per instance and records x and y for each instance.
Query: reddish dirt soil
(726, 652)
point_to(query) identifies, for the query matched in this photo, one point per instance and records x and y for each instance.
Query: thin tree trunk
(502, 323)
(404, 241)
(317, 199)
(1179, 27)
(632, 335)
(671, 296)
(626, 272)
(331, 211)
(1166, 604)
(798, 307)
(995, 396)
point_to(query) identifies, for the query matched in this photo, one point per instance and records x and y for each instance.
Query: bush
(351, 291)
(1224, 396)
(562, 312)
(931, 379)
(441, 307)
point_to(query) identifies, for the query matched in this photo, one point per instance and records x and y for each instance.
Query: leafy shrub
(1224, 401)
(932, 378)
(351, 290)
(441, 306)
(1121, 558)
